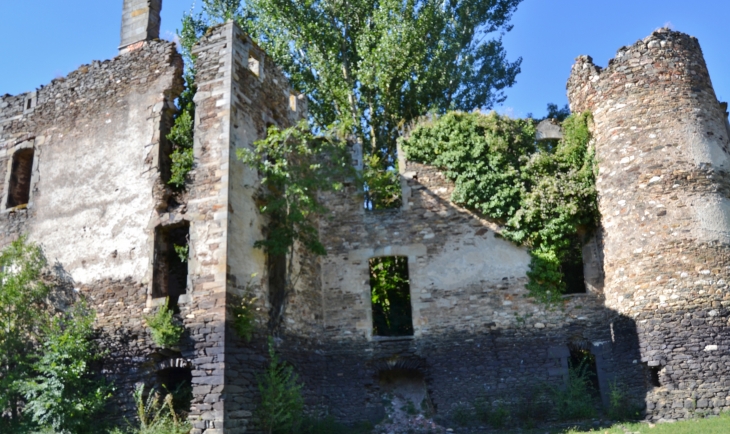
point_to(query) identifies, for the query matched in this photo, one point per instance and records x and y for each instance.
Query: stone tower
(662, 147)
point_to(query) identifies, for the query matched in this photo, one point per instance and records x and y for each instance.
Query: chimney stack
(140, 22)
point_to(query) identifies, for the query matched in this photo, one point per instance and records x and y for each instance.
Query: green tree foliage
(391, 296)
(280, 409)
(296, 165)
(165, 330)
(371, 67)
(22, 310)
(46, 379)
(181, 133)
(61, 394)
(377, 65)
(544, 195)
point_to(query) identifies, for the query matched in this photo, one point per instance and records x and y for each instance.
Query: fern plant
(166, 332)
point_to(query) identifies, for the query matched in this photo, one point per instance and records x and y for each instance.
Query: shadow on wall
(478, 349)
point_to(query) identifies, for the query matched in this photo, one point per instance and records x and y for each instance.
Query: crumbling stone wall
(98, 136)
(476, 333)
(663, 152)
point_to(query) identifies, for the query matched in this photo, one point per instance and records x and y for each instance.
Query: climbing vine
(543, 193)
(296, 166)
(181, 133)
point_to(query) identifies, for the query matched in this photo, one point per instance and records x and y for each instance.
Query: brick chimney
(140, 22)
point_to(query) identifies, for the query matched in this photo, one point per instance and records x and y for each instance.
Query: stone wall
(240, 94)
(98, 141)
(662, 146)
(476, 333)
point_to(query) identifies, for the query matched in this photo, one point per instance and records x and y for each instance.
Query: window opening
(171, 262)
(652, 375)
(292, 102)
(254, 64)
(572, 267)
(20, 175)
(582, 364)
(179, 383)
(390, 293)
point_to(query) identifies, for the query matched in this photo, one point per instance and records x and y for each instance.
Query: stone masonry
(88, 155)
(662, 145)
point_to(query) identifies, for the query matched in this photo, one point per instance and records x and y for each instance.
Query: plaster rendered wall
(662, 148)
(95, 189)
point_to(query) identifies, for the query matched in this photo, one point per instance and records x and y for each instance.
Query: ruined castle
(85, 165)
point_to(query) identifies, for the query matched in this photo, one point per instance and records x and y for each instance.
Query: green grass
(710, 425)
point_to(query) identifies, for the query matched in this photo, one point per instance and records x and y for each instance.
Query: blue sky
(44, 39)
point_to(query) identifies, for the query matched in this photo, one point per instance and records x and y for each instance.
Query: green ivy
(166, 332)
(296, 165)
(544, 194)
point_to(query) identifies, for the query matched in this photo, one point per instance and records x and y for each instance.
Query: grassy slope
(712, 425)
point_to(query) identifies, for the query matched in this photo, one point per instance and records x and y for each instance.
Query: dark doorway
(179, 383)
(20, 175)
(390, 293)
(583, 363)
(171, 262)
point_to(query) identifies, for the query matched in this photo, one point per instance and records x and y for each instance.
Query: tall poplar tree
(373, 66)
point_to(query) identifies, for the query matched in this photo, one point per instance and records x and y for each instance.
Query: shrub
(166, 333)
(156, 415)
(46, 379)
(62, 394)
(544, 194)
(576, 399)
(496, 415)
(462, 414)
(244, 314)
(620, 406)
(281, 404)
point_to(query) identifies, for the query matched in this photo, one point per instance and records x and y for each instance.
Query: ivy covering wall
(543, 193)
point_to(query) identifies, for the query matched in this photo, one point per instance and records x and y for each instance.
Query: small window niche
(292, 102)
(20, 176)
(172, 249)
(254, 64)
(390, 293)
(30, 102)
(652, 375)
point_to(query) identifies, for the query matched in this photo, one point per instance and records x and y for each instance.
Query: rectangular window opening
(20, 176)
(390, 292)
(254, 65)
(572, 268)
(652, 375)
(172, 248)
